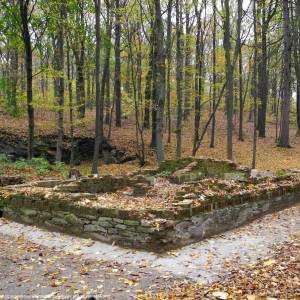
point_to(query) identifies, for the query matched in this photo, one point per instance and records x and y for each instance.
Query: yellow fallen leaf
(157, 226)
(84, 271)
(251, 297)
(269, 262)
(220, 295)
(173, 253)
(129, 282)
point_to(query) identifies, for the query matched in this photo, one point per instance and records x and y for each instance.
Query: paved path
(201, 262)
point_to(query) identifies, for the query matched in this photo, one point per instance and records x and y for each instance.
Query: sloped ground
(252, 262)
(269, 157)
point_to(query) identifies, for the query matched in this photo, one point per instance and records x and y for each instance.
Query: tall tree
(254, 85)
(241, 87)
(25, 16)
(188, 73)
(296, 44)
(79, 54)
(214, 80)
(160, 81)
(117, 83)
(266, 12)
(59, 82)
(99, 104)
(179, 75)
(229, 78)
(106, 70)
(284, 140)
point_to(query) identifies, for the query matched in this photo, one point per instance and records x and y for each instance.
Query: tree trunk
(59, 83)
(160, 79)
(179, 76)
(79, 54)
(263, 72)
(241, 90)
(71, 114)
(154, 91)
(99, 106)
(286, 91)
(188, 74)
(24, 7)
(229, 77)
(169, 66)
(107, 63)
(214, 88)
(254, 86)
(80, 88)
(198, 79)
(117, 88)
(297, 61)
(12, 96)
(148, 88)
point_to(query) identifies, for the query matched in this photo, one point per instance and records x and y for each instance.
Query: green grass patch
(38, 165)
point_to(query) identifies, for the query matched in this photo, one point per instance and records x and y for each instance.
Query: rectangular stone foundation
(165, 229)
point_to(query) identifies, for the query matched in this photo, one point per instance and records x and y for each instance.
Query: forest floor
(269, 156)
(255, 261)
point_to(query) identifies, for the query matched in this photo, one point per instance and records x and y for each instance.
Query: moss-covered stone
(72, 219)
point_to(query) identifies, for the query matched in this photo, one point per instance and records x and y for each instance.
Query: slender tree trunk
(297, 61)
(179, 76)
(59, 82)
(148, 88)
(80, 88)
(198, 80)
(99, 106)
(107, 63)
(117, 89)
(214, 88)
(263, 72)
(188, 74)
(169, 66)
(229, 86)
(89, 102)
(79, 53)
(71, 114)
(160, 79)
(254, 86)
(155, 91)
(24, 9)
(286, 91)
(241, 89)
(12, 96)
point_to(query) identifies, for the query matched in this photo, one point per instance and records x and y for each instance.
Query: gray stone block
(131, 222)
(94, 228)
(121, 226)
(72, 219)
(59, 222)
(28, 212)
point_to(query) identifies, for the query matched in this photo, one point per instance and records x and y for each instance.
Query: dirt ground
(269, 156)
(244, 261)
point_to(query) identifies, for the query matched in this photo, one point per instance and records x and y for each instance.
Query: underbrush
(36, 167)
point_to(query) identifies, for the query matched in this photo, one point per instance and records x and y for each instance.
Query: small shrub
(39, 164)
(165, 173)
(61, 167)
(4, 161)
(280, 173)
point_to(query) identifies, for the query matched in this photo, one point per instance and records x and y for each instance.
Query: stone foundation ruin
(180, 202)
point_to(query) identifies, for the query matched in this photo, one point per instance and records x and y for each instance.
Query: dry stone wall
(146, 228)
